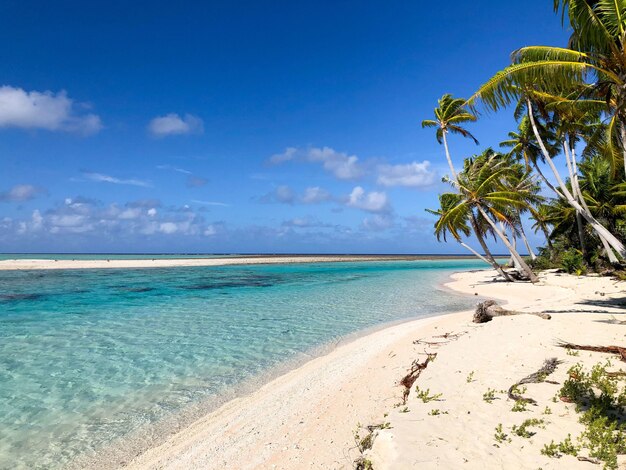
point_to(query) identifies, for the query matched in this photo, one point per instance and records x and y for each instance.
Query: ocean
(92, 358)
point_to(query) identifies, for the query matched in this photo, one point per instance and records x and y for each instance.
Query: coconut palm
(454, 220)
(483, 185)
(450, 116)
(540, 215)
(519, 82)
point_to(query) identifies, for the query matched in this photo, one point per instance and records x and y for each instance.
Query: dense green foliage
(564, 170)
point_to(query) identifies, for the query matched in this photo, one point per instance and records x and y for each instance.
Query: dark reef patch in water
(243, 281)
(135, 289)
(20, 297)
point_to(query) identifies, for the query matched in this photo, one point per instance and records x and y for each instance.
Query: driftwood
(416, 369)
(487, 310)
(446, 336)
(549, 366)
(620, 351)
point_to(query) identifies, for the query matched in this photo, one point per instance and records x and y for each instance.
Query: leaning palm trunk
(573, 177)
(607, 248)
(488, 255)
(474, 252)
(525, 269)
(622, 129)
(531, 253)
(597, 226)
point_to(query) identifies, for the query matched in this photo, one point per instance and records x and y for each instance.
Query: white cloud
(19, 193)
(168, 228)
(44, 110)
(282, 194)
(210, 203)
(414, 175)
(173, 124)
(374, 201)
(377, 223)
(152, 212)
(102, 178)
(314, 195)
(340, 164)
(289, 154)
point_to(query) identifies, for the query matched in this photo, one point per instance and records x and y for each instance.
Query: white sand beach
(26, 264)
(307, 417)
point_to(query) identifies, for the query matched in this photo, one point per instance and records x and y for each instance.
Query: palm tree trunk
(524, 267)
(531, 253)
(573, 177)
(483, 245)
(474, 252)
(622, 129)
(597, 226)
(607, 248)
(445, 146)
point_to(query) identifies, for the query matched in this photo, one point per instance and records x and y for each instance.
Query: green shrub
(573, 262)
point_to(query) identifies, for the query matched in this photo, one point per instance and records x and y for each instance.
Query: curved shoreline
(173, 450)
(306, 417)
(134, 445)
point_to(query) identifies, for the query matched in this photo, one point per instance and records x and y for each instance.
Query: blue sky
(240, 126)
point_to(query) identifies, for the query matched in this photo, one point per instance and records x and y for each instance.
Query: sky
(241, 127)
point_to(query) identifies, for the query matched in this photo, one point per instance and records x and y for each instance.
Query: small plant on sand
(522, 429)
(551, 450)
(566, 447)
(437, 412)
(385, 425)
(490, 395)
(404, 410)
(572, 352)
(363, 443)
(425, 395)
(500, 436)
(547, 411)
(519, 406)
(470, 377)
(363, 464)
(601, 398)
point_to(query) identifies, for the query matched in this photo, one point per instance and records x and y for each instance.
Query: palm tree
(453, 220)
(483, 187)
(540, 215)
(520, 180)
(449, 118)
(516, 82)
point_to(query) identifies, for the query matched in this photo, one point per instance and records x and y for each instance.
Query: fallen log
(487, 310)
(620, 351)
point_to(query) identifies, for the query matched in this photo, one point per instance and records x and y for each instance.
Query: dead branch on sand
(487, 310)
(620, 351)
(549, 366)
(414, 372)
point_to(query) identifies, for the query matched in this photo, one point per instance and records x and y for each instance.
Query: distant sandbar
(27, 264)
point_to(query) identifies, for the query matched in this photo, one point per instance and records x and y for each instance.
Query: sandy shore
(26, 264)
(306, 418)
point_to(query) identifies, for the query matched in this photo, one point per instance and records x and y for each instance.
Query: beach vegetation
(437, 412)
(426, 396)
(523, 429)
(600, 397)
(470, 377)
(489, 396)
(519, 406)
(562, 170)
(500, 436)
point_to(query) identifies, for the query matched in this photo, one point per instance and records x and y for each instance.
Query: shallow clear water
(88, 356)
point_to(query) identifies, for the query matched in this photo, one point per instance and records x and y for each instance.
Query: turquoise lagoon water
(91, 356)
